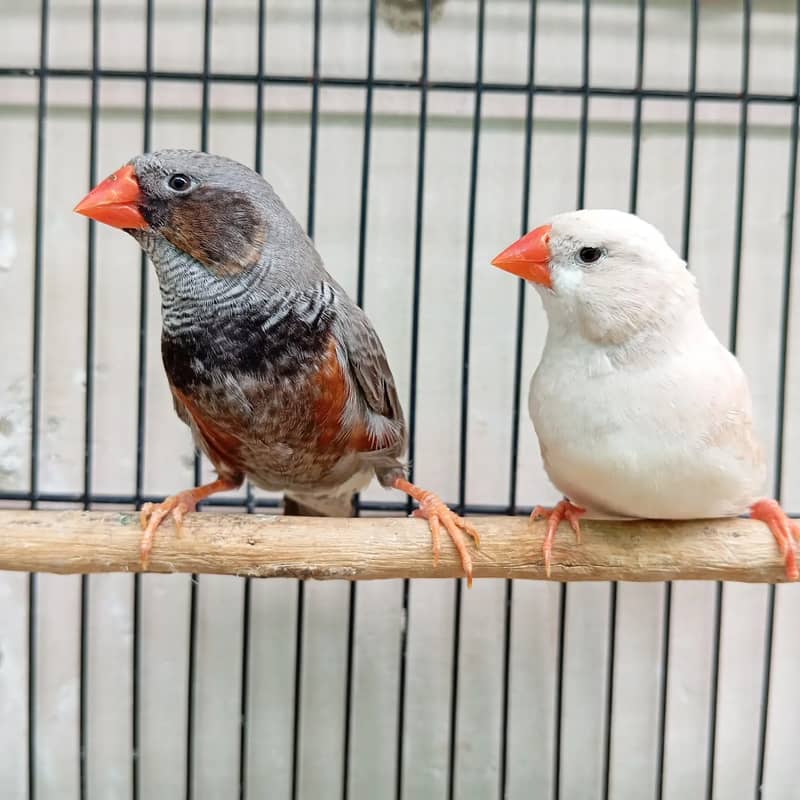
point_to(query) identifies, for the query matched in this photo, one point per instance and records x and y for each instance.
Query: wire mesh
(585, 92)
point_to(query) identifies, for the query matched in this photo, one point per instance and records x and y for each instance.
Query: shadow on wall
(407, 15)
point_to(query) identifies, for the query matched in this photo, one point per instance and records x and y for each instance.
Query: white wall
(390, 249)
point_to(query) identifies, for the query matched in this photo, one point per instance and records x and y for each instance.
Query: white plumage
(639, 410)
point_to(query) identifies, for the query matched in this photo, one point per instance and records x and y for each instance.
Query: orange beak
(115, 201)
(529, 257)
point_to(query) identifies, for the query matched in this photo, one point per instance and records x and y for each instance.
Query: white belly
(630, 445)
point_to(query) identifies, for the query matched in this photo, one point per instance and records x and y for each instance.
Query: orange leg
(784, 529)
(437, 514)
(563, 510)
(153, 514)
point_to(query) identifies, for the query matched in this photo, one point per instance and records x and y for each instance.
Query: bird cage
(413, 139)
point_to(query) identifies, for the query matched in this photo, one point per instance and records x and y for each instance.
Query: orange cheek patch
(221, 229)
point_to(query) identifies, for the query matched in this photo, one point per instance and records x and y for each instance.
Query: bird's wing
(728, 418)
(364, 359)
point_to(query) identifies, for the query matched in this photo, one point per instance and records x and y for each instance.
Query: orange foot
(563, 510)
(432, 509)
(153, 514)
(784, 529)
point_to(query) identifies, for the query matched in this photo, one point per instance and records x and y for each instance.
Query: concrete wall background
(390, 248)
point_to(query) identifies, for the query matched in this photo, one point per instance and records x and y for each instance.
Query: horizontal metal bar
(392, 83)
(241, 502)
(223, 502)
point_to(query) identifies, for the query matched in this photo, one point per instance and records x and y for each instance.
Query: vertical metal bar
(250, 499)
(312, 185)
(208, 15)
(205, 105)
(141, 405)
(38, 256)
(312, 158)
(258, 160)
(732, 343)
(412, 402)
(740, 179)
(633, 202)
(515, 406)
(584, 129)
(467, 324)
(637, 107)
(362, 263)
(36, 373)
(685, 240)
(559, 699)
(88, 418)
(562, 606)
(688, 186)
(260, 71)
(91, 264)
(141, 420)
(769, 628)
(520, 324)
(245, 686)
(348, 686)
(365, 156)
(465, 349)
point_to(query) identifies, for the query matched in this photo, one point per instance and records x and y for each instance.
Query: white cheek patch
(567, 281)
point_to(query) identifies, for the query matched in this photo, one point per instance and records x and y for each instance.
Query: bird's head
(610, 273)
(217, 211)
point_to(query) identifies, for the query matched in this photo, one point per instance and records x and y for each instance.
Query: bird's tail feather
(319, 507)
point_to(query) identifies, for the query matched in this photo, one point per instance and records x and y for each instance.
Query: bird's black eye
(588, 255)
(178, 182)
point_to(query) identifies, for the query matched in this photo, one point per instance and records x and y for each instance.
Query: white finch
(640, 411)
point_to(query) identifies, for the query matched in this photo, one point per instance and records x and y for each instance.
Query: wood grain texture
(371, 548)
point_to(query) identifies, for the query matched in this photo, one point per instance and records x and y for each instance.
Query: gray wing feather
(372, 377)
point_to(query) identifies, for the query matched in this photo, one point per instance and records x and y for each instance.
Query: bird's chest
(242, 380)
(267, 411)
(574, 396)
(598, 433)
(263, 345)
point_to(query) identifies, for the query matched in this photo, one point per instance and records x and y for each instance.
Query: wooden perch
(268, 546)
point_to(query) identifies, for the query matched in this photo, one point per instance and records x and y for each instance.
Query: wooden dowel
(369, 548)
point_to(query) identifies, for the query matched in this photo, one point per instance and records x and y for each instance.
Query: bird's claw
(437, 513)
(785, 530)
(153, 514)
(563, 510)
